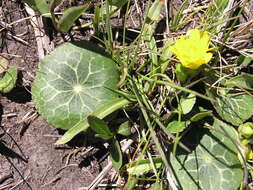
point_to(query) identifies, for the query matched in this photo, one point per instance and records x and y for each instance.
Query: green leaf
(97, 18)
(244, 81)
(141, 166)
(38, 5)
(131, 182)
(8, 82)
(100, 127)
(244, 61)
(155, 10)
(82, 125)
(187, 103)
(233, 108)
(176, 126)
(69, 17)
(124, 129)
(115, 154)
(100, 112)
(213, 164)
(72, 82)
(118, 3)
(181, 74)
(157, 186)
(53, 4)
(201, 115)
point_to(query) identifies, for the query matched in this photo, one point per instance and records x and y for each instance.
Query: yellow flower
(192, 49)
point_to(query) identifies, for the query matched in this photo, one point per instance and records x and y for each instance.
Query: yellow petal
(208, 57)
(193, 34)
(205, 40)
(192, 49)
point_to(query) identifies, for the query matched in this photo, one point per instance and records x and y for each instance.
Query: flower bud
(246, 130)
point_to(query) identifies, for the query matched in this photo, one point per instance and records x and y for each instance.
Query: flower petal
(192, 49)
(205, 40)
(193, 34)
(208, 57)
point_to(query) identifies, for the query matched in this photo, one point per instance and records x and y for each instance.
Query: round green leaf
(71, 81)
(213, 164)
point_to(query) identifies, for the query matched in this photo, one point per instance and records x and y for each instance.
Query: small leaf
(157, 186)
(141, 166)
(187, 103)
(176, 126)
(244, 81)
(118, 3)
(100, 127)
(69, 17)
(155, 10)
(131, 182)
(201, 115)
(53, 4)
(39, 5)
(124, 129)
(244, 61)
(7, 83)
(212, 164)
(115, 154)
